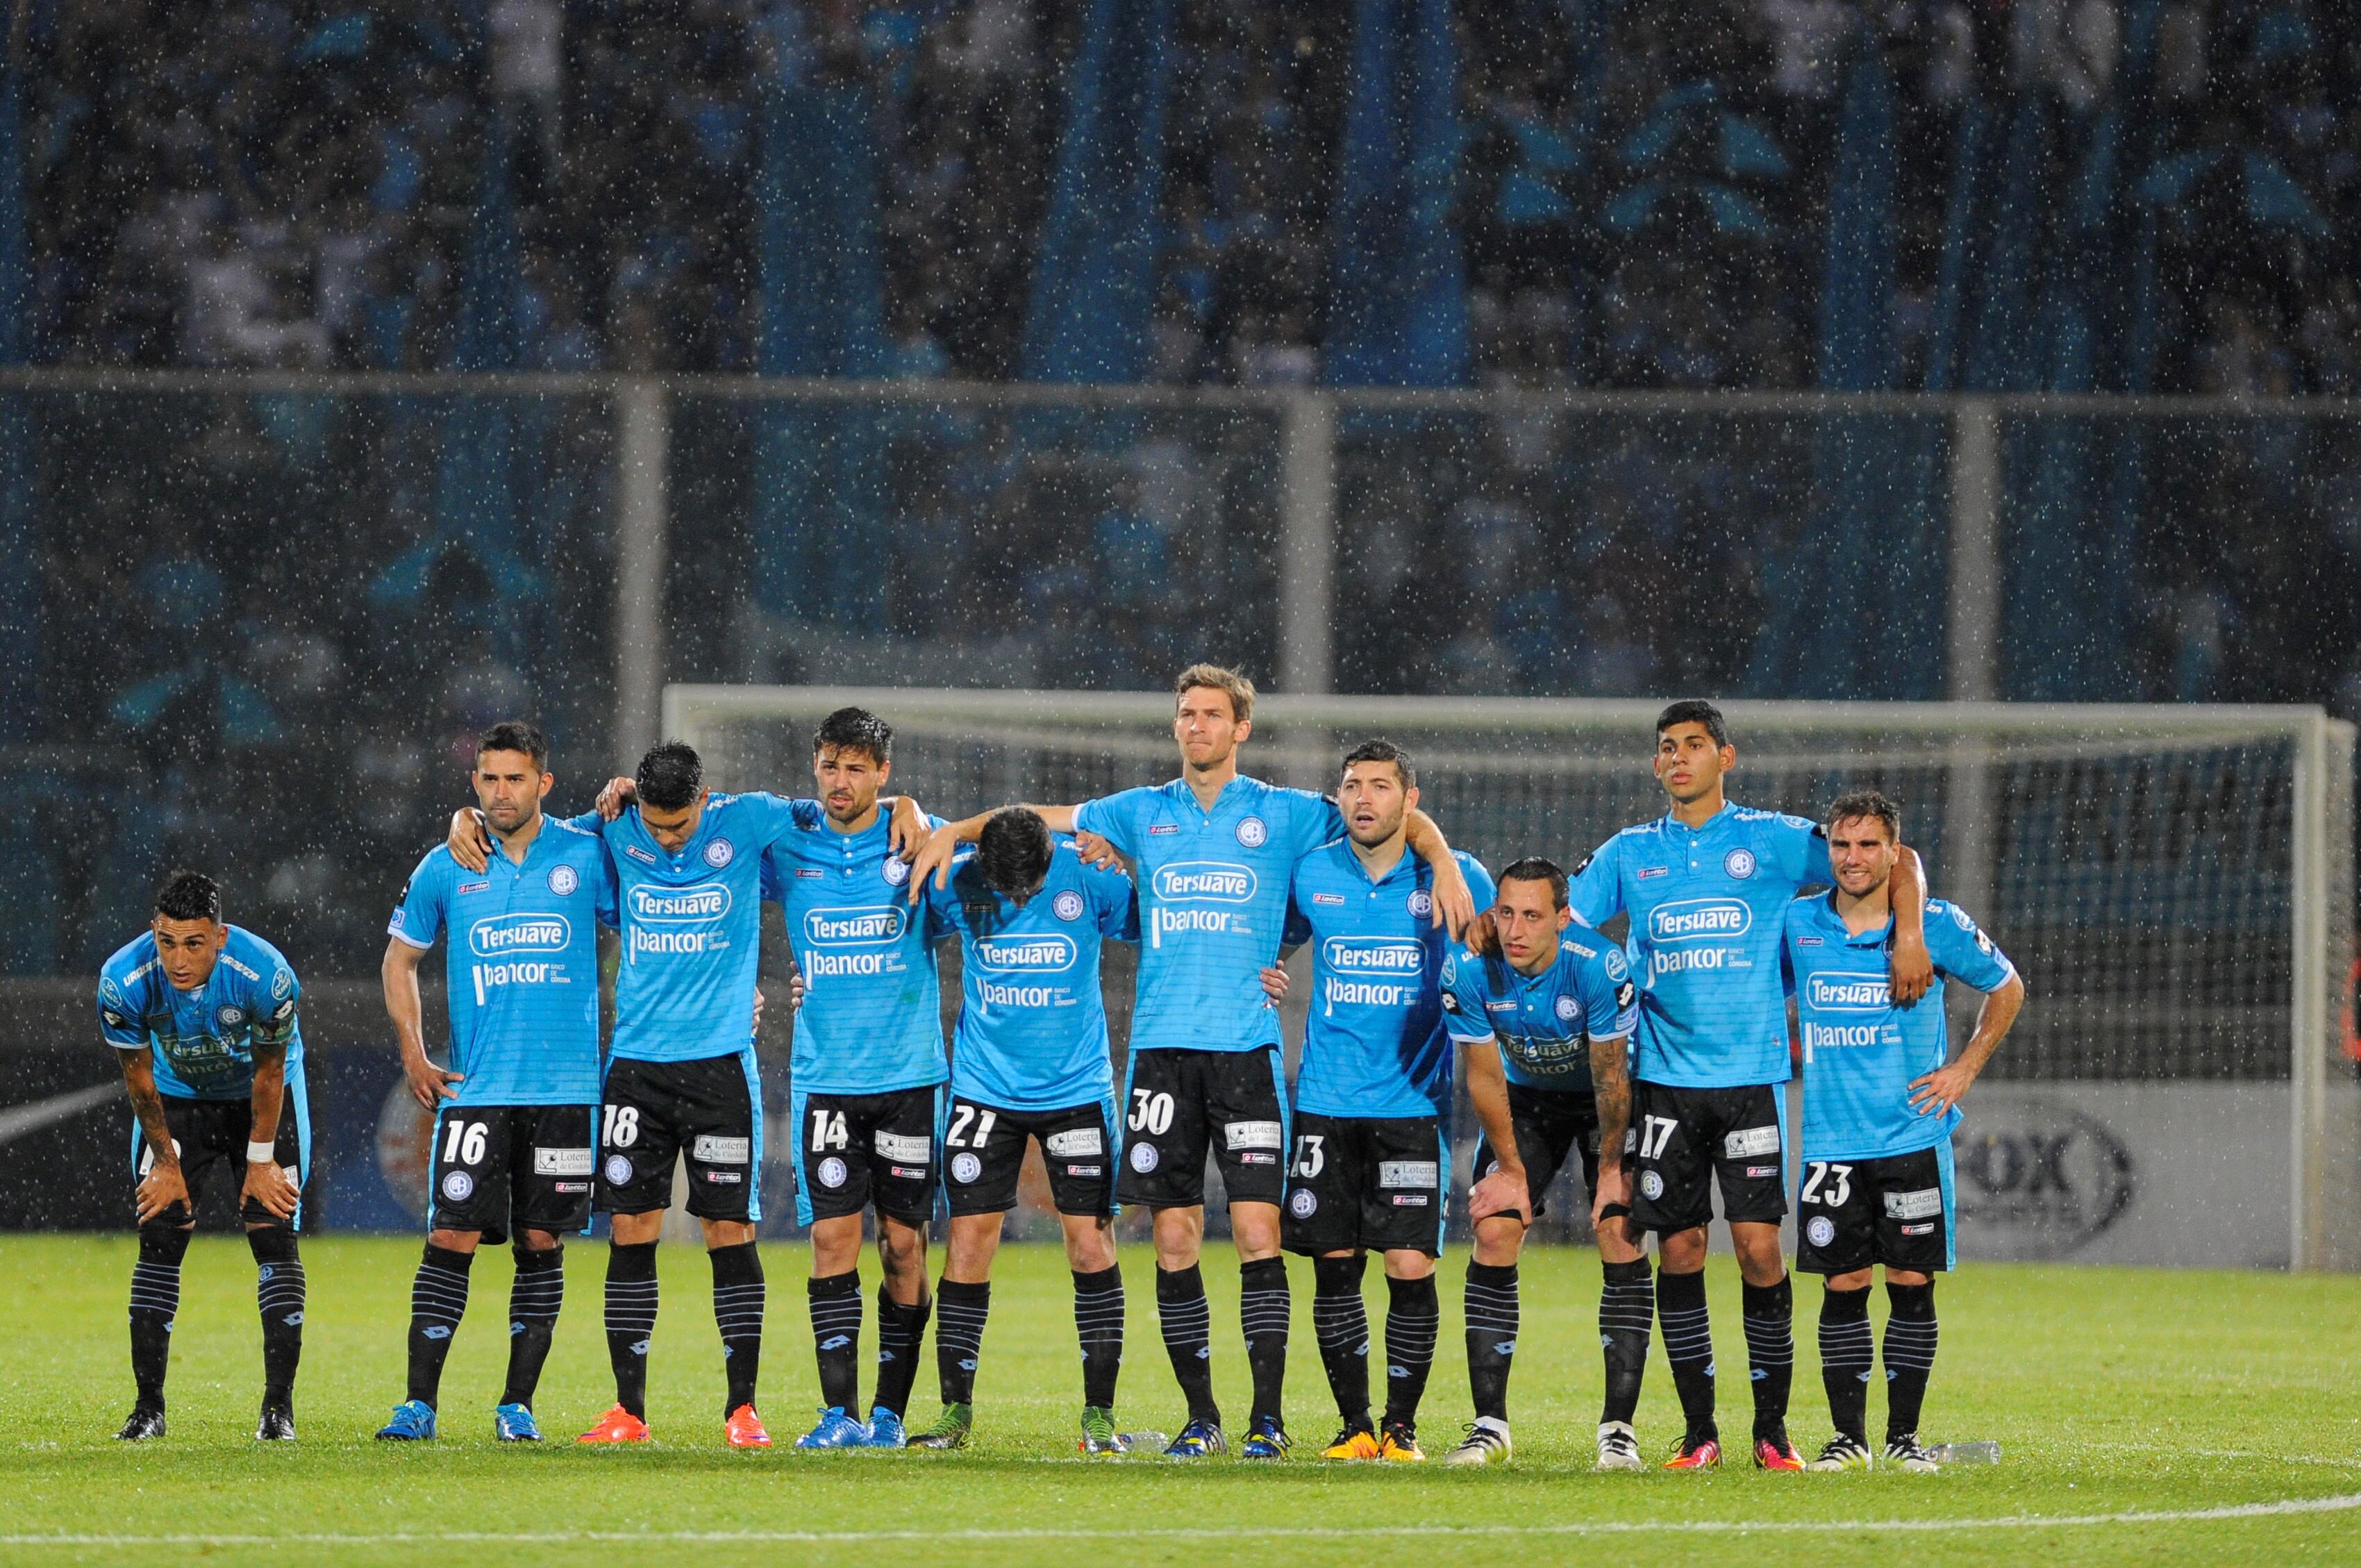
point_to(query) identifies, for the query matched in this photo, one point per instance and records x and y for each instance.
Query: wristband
(261, 1154)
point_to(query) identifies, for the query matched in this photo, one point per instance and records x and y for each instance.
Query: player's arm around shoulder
(1912, 967)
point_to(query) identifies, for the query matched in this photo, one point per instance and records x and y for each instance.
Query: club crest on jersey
(619, 1169)
(230, 1017)
(718, 853)
(1566, 1009)
(966, 1167)
(1304, 1203)
(1651, 1184)
(1821, 1230)
(458, 1186)
(1067, 905)
(897, 871)
(1422, 903)
(831, 1172)
(1143, 1157)
(564, 880)
(1739, 863)
(1252, 833)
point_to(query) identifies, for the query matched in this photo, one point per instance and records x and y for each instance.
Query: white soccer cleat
(1619, 1447)
(1904, 1453)
(1486, 1442)
(1841, 1452)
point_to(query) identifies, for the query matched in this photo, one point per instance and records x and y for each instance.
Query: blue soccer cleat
(836, 1430)
(412, 1421)
(886, 1429)
(1268, 1440)
(1197, 1439)
(514, 1424)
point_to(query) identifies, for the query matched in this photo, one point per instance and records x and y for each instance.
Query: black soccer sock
(1263, 1312)
(1909, 1356)
(438, 1300)
(534, 1297)
(1188, 1325)
(1768, 1314)
(901, 1335)
(739, 1298)
(279, 1293)
(1846, 1354)
(1688, 1347)
(1626, 1310)
(155, 1302)
(630, 1321)
(960, 1310)
(1491, 1303)
(1098, 1323)
(1340, 1326)
(835, 1302)
(1413, 1318)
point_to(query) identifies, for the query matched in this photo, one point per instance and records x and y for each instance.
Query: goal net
(2174, 882)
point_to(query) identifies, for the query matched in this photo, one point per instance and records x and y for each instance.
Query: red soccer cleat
(1705, 1455)
(1779, 1455)
(617, 1425)
(744, 1429)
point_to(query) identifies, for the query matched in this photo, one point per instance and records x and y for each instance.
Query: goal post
(2176, 882)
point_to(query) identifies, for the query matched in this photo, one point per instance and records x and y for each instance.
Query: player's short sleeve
(588, 822)
(1115, 903)
(118, 1019)
(1961, 950)
(1119, 818)
(1463, 1018)
(944, 910)
(1311, 819)
(273, 1006)
(606, 903)
(1595, 892)
(1796, 846)
(773, 882)
(1611, 998)
(1296, 928)
(769, 817)
(418, 912)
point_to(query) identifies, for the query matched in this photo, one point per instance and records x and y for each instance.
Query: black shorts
(984, 1151)
(855, 1149)
(1549, 1123)
(1898, 1211)
(207, 1133)
(1682, 1138)
(1179, 1103)
(1366, 1182)
(710, 1110)
(497, 1165)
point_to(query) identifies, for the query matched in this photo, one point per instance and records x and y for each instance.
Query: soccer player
(681, 1080)
(1706, 886)
(1372, 1146)
(512, 1154)
(1213, 852)
(203, 1017)
(1030, 1061)
(1554, 1006)
(1881, 1103)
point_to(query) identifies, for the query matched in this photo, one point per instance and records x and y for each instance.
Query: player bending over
(1544, 1021)
(203, 1017)
(1706, 886)
(1881, 1103)
(512, 1156)
(1373, 1098)
(1030, 1061)
(1214, 851)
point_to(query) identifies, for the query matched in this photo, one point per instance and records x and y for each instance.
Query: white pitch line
(2341, 1503)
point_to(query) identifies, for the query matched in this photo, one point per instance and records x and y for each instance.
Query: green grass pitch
(2143, 1416)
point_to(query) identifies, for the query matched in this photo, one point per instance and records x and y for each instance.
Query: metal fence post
(643, 442)
(1307, 571)
(1965, 872)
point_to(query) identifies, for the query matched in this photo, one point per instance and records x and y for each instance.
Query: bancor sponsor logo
(855, 926)
(680, 905)
(1213, 881)
(506, 934)
(1045, 954)
(1697, 919)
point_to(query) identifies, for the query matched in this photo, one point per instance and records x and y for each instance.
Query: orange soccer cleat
(744, 1429)
(617, 1425)
(1705, 1454)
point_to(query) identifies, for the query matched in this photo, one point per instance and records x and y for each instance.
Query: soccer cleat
(1398, 1444)
(412, 1421)
(1841, 1452)
(277, 1425)
(1197, 1439)
(1354, 1443)
(1486, 1442)
(1776, 1453)
(1267, 1440)
(1703, 1454)
(1619, 1447)
(886, 1429)
(834, 1429)
(744, 1429)
(142, 1425)
(514, 1424)
(950, 1431)
(1905, 1452)
(1099, 1435)
(617, 1425)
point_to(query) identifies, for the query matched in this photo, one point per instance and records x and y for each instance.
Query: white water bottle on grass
(1965, 1454)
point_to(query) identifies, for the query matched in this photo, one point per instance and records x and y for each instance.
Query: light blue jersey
(1545, 1023)
(1706, 905)
(523, 962)
(1861, 1052)
(1032, 1028)
(202, 1042)
(1212, 902)
(1375, 1043)
(872, 1020)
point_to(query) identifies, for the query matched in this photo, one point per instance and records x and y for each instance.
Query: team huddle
(1659, 1062)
